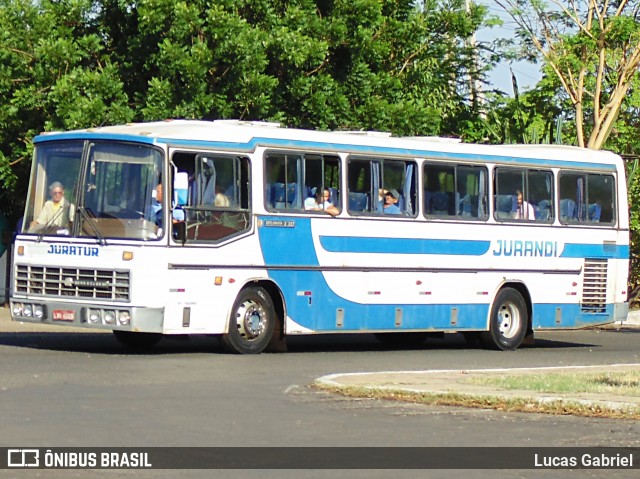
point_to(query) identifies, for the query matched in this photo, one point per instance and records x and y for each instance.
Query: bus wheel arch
(254, 322)
(509, 318)
(277, 343)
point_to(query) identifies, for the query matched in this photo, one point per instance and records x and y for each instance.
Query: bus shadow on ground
(369, 343)
(105, 343)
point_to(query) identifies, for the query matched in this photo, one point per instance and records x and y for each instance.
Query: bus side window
(455, 190)
(587, 198)
(282, 190)
(523, 194)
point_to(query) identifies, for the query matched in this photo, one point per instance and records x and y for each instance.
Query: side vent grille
(594, 286)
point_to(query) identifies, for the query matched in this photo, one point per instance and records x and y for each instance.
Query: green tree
(363, 64)
(393, 65)
(56, 75)
(592, 48)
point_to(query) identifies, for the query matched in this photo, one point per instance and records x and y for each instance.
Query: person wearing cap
(390, 206)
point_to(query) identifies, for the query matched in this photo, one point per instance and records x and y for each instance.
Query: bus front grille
(594, 286)
(101, 284)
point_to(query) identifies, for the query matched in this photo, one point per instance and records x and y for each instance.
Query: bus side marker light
(218, 280)
(127, 255)
(21, 250)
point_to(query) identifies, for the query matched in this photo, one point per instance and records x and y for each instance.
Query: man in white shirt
(524, 210)
(321, 202)
(56, 212)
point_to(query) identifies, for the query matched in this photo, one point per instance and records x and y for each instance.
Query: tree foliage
(592, 47)
(55, 74)
(389, 65)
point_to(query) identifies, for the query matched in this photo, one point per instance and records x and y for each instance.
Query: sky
(527, 74)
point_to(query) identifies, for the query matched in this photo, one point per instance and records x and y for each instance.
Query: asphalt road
(62, 388)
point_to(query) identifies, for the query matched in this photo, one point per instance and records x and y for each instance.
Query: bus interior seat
(439, 203)
(277, 195)
(543, 210)
(292, 189)
(208, 194)
(505, 206)
(357, 201)
(595, 210)
(464, 206)
(230, 193)
(567, 209)
(310, 191)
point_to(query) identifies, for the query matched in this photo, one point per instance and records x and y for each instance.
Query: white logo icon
(23, 458)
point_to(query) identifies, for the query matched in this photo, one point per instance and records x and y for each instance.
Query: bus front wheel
(509, 320)
(252, 322)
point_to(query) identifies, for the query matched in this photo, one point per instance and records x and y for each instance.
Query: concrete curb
(633, 320)
(455, 382)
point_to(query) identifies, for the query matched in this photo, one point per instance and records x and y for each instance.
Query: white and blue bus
(224, 228)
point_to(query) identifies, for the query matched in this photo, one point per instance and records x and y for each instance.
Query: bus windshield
(116, 193)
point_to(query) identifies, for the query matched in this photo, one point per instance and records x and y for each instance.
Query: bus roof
(251, 134)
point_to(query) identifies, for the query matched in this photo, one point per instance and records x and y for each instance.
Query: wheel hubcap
(509, 320)
(252, 320)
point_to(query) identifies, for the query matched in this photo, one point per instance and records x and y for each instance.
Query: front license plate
(64, 315)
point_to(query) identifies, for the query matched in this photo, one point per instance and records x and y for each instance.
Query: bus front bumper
(125, 318)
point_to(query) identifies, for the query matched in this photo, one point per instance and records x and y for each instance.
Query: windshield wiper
(47, 226)
(88, 219)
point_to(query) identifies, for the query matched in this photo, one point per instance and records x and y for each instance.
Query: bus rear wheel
(252, 322)
(509, 321)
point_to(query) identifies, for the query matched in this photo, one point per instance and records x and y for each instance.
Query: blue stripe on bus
(250, 146)
(312, 304)
(89, 135)
(571, 316)
(581, 250)
(357, 244)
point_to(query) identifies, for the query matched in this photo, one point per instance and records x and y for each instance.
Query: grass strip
(623, 383)
(527, 405)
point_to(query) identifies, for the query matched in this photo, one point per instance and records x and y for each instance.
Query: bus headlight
(28, 311)
(94, 316)
(124, 318)
(38, 311)
(17, 309)
(109, 317)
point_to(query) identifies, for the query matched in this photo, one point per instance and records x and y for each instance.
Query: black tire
(402, 340)
(252, 322)
(508, 323)
(137, 340)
